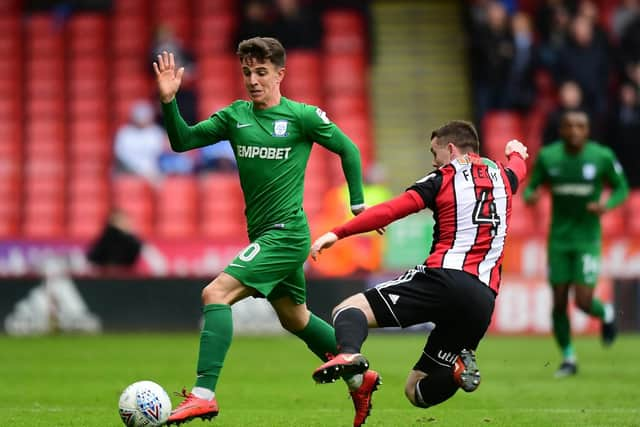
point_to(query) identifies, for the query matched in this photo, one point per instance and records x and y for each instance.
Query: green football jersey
(272, 147)
(574, 181)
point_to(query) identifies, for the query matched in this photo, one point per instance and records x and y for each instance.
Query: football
(144, 403)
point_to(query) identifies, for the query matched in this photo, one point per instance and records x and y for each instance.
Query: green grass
(76, 381)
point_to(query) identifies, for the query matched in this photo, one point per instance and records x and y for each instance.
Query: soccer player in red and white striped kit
(455, 288)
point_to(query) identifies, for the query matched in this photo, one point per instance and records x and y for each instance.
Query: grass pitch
(66, 381)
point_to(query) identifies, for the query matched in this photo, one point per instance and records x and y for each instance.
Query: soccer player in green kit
(575, 169)
(272, 138)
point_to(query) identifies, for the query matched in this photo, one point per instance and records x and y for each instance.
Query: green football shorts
(273, 265)
(573, 266)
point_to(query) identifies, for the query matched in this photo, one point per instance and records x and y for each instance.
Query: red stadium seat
(131, 7)
(10, 110)
(214, 7)
(523, 218)
(343, 22)
(225, 227)
(633, 219)
(87, 216)
(210, 104)
(135, 85)
(130, 36)
(10, 219)
(10, 24)
(41, 129)
(45, 87)
(613, 222)
(89, 107)
(345, 74)
(89, 129)
(45, 108)
(134, 196)
(44, 218)
(86, 88)
(220, 195)
(42, 24)
(81, 67)
(304, 73)
(44, 46)
(358, 128)
(499, 127)
(214, 33)
(346, 105)
(91, 148)
(11, 44)
(177, 207)
(51, 67)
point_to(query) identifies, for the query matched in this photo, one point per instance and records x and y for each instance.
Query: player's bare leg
(588, 303)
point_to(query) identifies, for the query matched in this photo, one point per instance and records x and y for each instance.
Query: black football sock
(351, 328)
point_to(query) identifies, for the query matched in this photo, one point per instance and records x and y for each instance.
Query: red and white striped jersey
(471, 203)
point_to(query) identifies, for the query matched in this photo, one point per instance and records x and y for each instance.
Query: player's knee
(584, 304)
(293, 322)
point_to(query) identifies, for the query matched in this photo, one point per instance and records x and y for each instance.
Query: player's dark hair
(262, 49)
(460, 133)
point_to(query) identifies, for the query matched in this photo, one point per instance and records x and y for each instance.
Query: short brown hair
(460, 133)
(262, 49)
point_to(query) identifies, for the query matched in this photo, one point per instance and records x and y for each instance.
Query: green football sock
(319, 337)
(597, 308)
(562, 333)
(215, 340)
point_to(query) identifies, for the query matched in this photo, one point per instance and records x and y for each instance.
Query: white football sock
(203, 393)
(609, 313)
(355, 382)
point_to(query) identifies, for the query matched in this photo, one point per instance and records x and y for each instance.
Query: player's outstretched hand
(323, 242)
(168, 78)
(515, 146)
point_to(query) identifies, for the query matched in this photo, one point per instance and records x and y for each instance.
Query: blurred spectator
(623, 15)
(297, 25)
(552, 22)
(256, 20)
(187, 98)
(216, 158)
(492, 53)
(585, 60)
(630, 42)
(139, 144)
(569, 98)
(520, 88)
(172, 163)
(624, 134)
(116, 247)
(589, 9)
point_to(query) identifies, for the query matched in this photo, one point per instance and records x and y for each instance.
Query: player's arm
(182, 136)
(516, 168)
(373, 218)
(619, 186)
(422, 194)
(320, 129)
(538, 177)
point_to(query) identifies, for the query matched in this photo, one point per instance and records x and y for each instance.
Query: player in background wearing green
(272, 138)
(575, 169)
